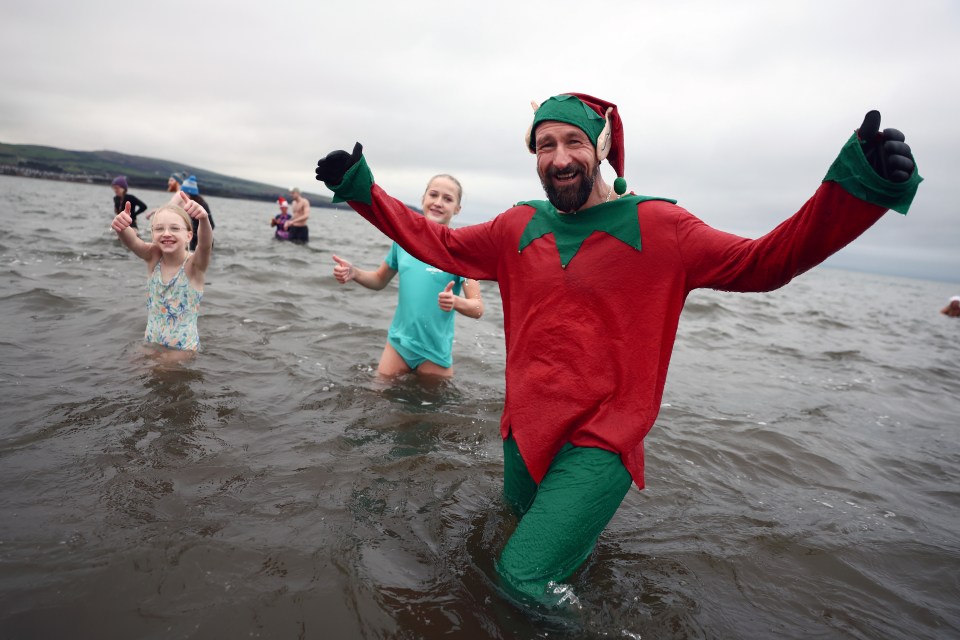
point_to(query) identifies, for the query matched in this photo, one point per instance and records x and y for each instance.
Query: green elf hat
(597, 118)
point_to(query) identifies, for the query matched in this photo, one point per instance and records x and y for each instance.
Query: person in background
(301, 211)
(591, 308)
(279, 220)
(952, 310)
(190, 187)
(176, 275)
(173, 186)
(421, 334)
(121, 198)
(174, 182)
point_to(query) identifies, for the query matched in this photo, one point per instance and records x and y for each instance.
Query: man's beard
(570, 198)
(173, 188)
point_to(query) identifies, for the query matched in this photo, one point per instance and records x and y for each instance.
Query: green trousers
(561, 519)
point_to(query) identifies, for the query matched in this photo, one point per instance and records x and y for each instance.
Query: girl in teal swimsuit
(175, 285)
(421, 335)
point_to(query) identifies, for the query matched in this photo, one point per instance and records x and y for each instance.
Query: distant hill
(101, 167)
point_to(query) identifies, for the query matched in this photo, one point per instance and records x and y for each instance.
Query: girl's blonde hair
(450, 178)
(177, 210)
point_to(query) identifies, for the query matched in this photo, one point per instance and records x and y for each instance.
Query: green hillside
(100, 167)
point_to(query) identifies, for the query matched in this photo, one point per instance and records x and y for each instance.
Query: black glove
(335, 165)
(886, 152)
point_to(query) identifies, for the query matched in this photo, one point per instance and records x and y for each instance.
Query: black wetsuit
(136, 206)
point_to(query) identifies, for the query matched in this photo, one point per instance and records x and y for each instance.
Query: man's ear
(603, 140)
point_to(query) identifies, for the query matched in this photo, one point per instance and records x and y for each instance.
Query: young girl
(421, 335)
(175, 287)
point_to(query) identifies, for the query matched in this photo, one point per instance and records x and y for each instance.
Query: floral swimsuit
(172, 310)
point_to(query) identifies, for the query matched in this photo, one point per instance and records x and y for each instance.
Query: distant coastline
(101, 167)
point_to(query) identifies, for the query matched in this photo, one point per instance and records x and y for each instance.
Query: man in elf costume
(593, 282)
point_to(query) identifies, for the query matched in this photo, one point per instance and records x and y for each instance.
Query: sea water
(801, 477)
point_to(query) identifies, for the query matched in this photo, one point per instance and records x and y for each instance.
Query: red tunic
(588, 345)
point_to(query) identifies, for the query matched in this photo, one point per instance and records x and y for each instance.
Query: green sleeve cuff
(356, 184)
(855, 175)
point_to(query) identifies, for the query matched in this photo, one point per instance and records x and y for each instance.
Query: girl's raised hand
(193, 209)
(122, 220)
(446, 298)
(343, 272)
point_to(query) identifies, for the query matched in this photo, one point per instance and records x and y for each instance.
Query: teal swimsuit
(421, 330)
(172, 310)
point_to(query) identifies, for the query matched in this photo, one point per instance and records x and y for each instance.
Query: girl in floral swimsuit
(175, 285)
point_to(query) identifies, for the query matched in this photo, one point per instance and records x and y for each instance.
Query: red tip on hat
(612, 138)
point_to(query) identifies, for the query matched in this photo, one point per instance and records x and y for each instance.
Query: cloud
(735, 109)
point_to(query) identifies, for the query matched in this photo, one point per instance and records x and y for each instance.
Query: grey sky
(736, 109)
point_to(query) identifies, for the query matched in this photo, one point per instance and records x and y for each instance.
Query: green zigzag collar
(617, 218)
